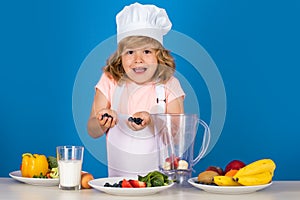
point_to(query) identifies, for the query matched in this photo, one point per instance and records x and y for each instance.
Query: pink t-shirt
(134, 97)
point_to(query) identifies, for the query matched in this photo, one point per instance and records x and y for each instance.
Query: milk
(69, 173)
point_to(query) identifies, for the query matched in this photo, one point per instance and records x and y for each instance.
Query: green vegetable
(155, 179)
(52, 161)
(39, 176)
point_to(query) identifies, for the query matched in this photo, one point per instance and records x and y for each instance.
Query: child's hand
(107, 118)
(139, 121)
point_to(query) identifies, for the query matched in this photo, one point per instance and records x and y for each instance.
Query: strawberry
(126, 184)
(173, 160)
(137, 183)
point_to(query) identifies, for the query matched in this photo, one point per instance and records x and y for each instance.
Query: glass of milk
(69, 160)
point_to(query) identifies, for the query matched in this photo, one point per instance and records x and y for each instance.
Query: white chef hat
(142, 20)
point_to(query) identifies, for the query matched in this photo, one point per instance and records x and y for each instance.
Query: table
(12, 189)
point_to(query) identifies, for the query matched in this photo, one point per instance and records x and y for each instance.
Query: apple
(234, 164)
(217, 169)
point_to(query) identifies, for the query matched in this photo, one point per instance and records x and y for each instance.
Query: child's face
(140, 64)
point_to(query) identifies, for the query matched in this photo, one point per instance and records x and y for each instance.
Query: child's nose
(138, 57)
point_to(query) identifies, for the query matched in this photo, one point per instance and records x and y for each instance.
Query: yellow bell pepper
(34, 165)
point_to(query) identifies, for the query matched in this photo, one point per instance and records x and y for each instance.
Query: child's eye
(130, 52)
(147, 51)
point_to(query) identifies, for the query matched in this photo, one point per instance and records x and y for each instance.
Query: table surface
(12, 189)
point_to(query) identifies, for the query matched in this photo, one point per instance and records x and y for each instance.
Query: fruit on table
(257, 167)
(255, 179)
(34, 165)
(231, 172)
(217, 169)
(234, 164)
(131, 183)
(207, 177)
(137, 183)
(119, 184)
(225, 181)
(126, 184)
(85, 178)
(256, 173)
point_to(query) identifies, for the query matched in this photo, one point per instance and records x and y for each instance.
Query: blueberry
(120, 183)
(106, 115)
(131, 119)
(138, 121)
(115, 185)
(107, 185)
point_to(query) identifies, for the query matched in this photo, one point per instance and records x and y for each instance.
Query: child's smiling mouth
(139, 69)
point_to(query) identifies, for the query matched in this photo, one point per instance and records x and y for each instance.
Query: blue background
(254, 43)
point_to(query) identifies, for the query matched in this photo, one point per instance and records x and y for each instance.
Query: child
(137, 81)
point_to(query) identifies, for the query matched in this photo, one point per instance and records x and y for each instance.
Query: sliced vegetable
(54, 172)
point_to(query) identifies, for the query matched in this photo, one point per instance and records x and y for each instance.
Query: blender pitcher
(175, 135)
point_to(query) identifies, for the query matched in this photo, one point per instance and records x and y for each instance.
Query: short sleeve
(173, 90)
(107, 86)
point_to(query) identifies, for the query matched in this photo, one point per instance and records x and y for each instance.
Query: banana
(255, 179)
(256, 167)
(225, 181)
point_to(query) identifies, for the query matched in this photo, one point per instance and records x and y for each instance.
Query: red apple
(234, 164)
(217, 169)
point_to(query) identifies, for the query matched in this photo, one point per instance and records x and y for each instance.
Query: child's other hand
(142, 119)
(107, 118)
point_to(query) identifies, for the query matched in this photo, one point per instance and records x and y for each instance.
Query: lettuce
(155, 179)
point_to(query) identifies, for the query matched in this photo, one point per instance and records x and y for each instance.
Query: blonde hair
(166, 64)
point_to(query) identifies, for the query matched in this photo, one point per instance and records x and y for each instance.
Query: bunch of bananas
(256, 173)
